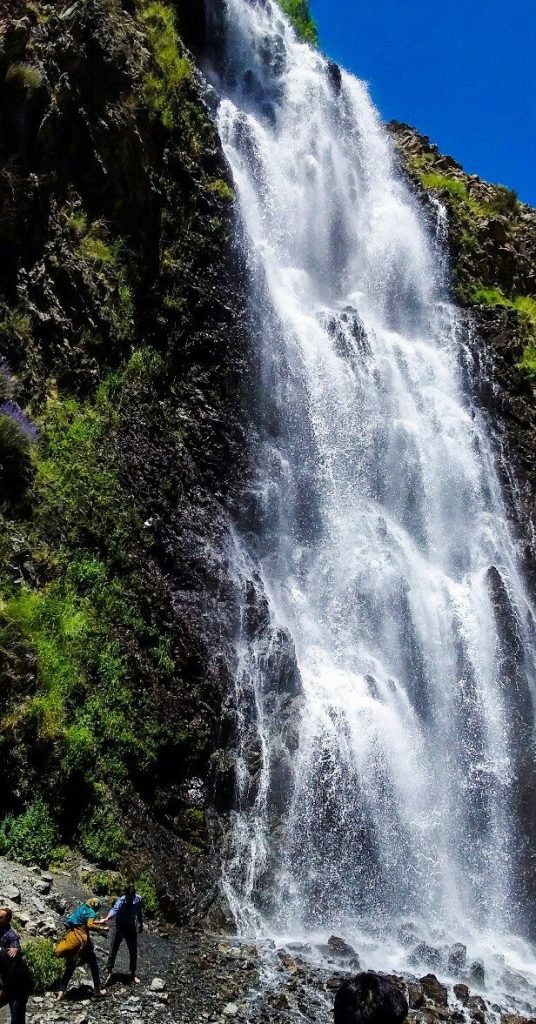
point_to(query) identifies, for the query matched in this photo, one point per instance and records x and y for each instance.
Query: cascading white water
(379, 532)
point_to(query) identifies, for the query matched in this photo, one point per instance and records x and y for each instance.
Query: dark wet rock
(340, 946)
(278, 659)
(513, 981)
(512, 1018)
(433, 991)
(477, 1008)
(477, 974)
(335, 76)
(461, 992)
(425, 954)
(99, 279)
(457, 958)
(349, 336)
(415, 995)
(342, 950)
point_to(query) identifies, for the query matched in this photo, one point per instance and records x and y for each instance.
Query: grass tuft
(163, 88)
(24, 77)
(222, 190)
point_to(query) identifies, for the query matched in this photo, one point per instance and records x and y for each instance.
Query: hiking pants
(129, 933)
(87, 956)
(17, 1005)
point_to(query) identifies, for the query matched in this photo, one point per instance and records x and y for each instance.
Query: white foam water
(379, 534)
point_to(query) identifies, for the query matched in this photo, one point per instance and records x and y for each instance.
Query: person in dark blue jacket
(15, 977)
(128, 916)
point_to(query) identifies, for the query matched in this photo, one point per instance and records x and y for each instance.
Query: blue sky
(461, 71)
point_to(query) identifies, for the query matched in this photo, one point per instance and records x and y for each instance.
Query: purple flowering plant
(16, 415)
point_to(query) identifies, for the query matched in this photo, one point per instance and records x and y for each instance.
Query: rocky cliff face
(491, 237)
(124, 337)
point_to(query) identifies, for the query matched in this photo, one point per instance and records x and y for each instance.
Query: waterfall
(386, 772)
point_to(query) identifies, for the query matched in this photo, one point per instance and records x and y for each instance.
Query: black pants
(17, 1005)
(129, 933)
(87, 956)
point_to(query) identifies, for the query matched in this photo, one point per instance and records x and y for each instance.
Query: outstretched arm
(113, 912)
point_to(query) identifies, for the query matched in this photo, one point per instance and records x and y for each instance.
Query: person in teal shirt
(82, 920)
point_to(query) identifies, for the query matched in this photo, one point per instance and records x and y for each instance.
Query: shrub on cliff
(30, 838)
(101, 835)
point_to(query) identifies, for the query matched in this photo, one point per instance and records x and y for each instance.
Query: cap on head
(94, 902)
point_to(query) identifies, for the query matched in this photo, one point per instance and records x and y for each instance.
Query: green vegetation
(101, 836)
(76, 486)
(45, 968)
(501, 201)
(222, 190)
(490, 297)
(299, 14)
(105, 883)
(440, 181)
(528, 362)
(82, 700)
(61, 857)
(146, 888)
(469, 214)
(458, 192)
(84, 625)
(15, 326)
(103, 260)
(163, 89)
(24, 77)
(30, 838)
(77, 223)
(525, 304)
(526, 307)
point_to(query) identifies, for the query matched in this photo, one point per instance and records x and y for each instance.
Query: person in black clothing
(128, 916)
(15, 977)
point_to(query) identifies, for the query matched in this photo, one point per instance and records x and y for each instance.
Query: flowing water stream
(378, 532)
